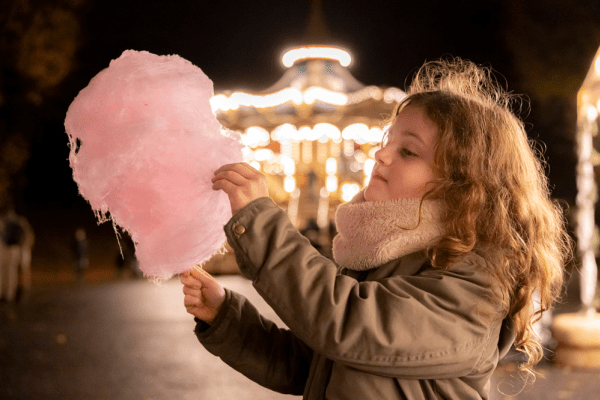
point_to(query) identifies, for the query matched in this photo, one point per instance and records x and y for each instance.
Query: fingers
(206, 280)
(243, 169)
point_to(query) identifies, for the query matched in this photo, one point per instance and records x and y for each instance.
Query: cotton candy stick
(144, 145)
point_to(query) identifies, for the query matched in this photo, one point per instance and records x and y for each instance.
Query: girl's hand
(204, 296)
(241, 182)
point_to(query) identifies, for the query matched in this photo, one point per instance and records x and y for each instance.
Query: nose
(383, 156)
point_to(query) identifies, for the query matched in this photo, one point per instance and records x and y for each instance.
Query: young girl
(439, 258)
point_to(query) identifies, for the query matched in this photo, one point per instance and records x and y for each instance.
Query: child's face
(405, 164)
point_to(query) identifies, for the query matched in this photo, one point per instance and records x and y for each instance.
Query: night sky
(541, 49)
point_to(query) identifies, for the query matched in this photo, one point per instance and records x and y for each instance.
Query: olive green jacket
(403, 330)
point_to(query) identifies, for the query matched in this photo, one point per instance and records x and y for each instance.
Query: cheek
(411, 182)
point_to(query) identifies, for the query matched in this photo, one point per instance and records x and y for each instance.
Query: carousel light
(368, 170)
(237, 99)
(327, 131)
(355, 132)
(255, 165)
(289, 184)
(315, 93)
(255, 136)
(592, 113)
(348, 148)
(307, 152)
(331, 183)
(316, 52)
(373, 150)
(283, 132)
(323, 208)
(349, 190)
(393, 95)
(247, 154)
(289, 168)
(331, 167)
(263, 154)
(321, 152)
(375, 135)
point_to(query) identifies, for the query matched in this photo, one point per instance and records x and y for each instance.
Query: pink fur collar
(370, 233)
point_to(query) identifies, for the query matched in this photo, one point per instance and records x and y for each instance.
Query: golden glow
(393, 95)
(307, 152)
(289, 184)
(289, 168)
(283, 132)
(315, 93)
(316, 52)
(592, 113)
(321, 152)
(263, 155)
(236, 99)
(597, 65)
(368, 170)
(255, 136)
(323, 208)
(349, 190)
(331, 167)
(331, 183)
(355, 132)
(326, 131)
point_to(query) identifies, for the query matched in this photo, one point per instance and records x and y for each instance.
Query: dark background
(50, 49)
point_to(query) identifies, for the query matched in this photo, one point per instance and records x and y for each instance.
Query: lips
(377, 176)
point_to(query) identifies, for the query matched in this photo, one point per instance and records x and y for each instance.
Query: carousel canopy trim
(316, 52)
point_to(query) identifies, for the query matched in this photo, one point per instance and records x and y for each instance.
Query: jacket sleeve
(256, 347)
(431, 325)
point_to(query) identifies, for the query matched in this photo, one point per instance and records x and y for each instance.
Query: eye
(404, 152)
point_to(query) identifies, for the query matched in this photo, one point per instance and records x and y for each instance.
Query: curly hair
(491, 179)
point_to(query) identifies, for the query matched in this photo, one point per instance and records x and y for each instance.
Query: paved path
(131, 339)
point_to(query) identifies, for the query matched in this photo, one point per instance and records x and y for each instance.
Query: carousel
(313, 133)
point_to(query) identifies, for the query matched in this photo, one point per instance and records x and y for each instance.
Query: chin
(372, 195)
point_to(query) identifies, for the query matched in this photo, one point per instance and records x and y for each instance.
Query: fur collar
(371, 233)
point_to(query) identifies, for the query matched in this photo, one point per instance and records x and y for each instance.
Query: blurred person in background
(15, 256)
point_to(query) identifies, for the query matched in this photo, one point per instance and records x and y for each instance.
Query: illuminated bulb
(263, 154)
(597, 65)
(283, 132)
(368, 166)
(375, 135)
(289, 168)
(331, 183)
(255, 165)
(327, 131)
(355, 131)
(327, 96)
(256, 136)
(316, 52)
(592, 113)
(349, 190)
(331, 166)
(289, 184)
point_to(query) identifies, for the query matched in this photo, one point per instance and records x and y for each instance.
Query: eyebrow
(418, 137)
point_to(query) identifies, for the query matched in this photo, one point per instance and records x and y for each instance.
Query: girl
(438, 258)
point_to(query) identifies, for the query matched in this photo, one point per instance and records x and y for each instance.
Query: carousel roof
(316, 88)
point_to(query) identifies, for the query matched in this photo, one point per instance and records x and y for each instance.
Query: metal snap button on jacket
(239, 229)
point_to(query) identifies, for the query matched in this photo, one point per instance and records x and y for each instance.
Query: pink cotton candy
(144, 145)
